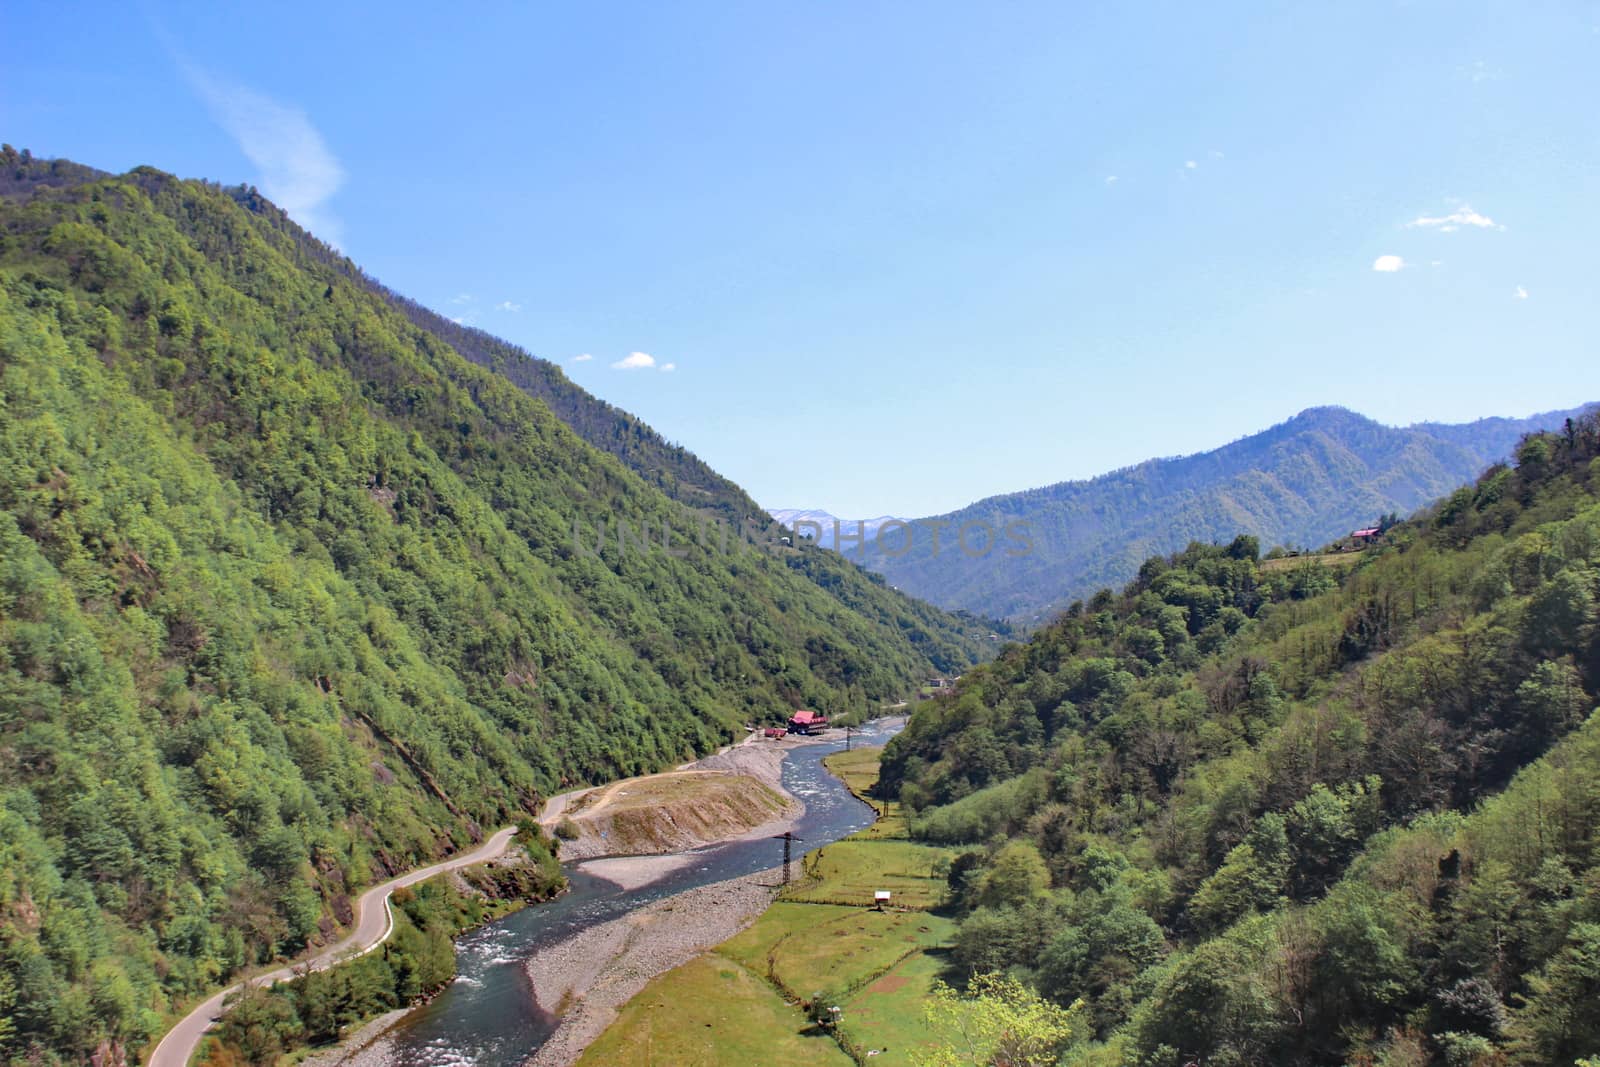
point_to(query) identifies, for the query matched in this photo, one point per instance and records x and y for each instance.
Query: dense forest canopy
(1293, 812)
(289, 598)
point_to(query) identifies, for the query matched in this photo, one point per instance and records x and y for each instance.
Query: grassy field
(810, 948)
(1327, 559)
(858, 769)
(850, 871)
(711, 1012)
(742, 1004)
(886, 1015)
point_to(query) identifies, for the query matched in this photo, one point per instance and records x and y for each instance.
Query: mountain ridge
(1314, 811)
(291, 598)
(1306, 481)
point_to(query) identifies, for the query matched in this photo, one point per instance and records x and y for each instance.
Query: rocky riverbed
(586, 979)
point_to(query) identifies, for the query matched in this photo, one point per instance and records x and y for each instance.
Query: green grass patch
(1327, 559)
(858, 769)
(711, 1012)
(812, 947)
(850, 871)
(886, 1014)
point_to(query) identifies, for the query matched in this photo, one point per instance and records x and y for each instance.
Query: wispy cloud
(582, 358)
(635, 361)
(1463, 215)
(508, 305)
(1111, 179)
(1190, 164)
(296, 168)
(1388, 264)
(462, 298)
(1519, 293)
(669, 366)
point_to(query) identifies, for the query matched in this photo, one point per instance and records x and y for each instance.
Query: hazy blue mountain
(1303, 482)
(830, 525)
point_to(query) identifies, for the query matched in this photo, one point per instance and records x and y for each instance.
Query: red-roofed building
(1363, 536)
(806, 721)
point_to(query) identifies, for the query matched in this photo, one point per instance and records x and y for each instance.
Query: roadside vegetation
(269, 1025)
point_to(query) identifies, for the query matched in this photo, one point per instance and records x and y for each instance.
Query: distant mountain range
(1303, 482)
(830, 525)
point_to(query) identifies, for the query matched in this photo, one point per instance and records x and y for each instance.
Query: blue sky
(902, 256)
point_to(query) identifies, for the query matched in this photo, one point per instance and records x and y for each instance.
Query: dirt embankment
(736, 792)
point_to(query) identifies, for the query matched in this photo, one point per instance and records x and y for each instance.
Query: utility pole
(788, 845)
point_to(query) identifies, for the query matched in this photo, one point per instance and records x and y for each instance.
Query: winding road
(374, 923)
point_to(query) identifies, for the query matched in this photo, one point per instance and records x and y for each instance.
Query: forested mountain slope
(671, 468)
(1282, 813)
(289, 598)
(1303, 482)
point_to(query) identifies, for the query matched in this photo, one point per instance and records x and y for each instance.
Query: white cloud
(635, 361)
(462, 298)
(669, 366)
(297, 169)
(1189, 164)
(583, 358)
(1111, 179)
(1520, 293)
(1214, 154)
(507, 305)
(1388, 264)
(1461, 216)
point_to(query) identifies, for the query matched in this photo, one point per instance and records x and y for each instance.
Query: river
(487, 1016)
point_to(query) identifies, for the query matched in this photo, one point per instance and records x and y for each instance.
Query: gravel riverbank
(587, 978)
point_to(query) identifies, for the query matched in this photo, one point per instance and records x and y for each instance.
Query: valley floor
(742, 1004)
(653, 821)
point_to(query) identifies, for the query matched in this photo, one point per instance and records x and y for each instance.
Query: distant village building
(776, 732)
(806, 721)
(1365, 537)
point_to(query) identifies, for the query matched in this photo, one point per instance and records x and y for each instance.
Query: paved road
(373, 926)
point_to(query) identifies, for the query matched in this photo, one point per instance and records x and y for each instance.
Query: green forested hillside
(1303, 482)
(1298, 815)
(671, 468)
(289, 598)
